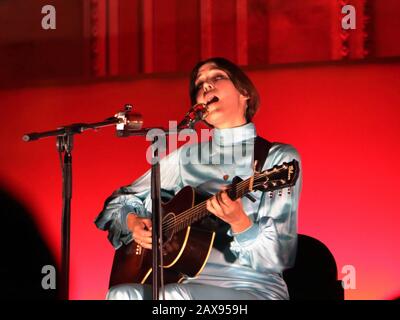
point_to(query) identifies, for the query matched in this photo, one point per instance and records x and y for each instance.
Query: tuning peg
(271, 194)
(280, 193)
(289, 191)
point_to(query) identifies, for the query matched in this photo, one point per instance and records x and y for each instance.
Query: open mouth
(212, 100)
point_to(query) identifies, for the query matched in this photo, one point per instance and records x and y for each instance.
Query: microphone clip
(123, 117)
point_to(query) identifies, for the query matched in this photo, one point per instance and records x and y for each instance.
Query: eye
(199, 86)
(219, 77)
(214, 79)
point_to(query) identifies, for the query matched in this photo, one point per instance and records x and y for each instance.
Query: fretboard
(199, 211)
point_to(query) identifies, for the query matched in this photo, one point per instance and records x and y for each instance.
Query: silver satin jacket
(261, 252)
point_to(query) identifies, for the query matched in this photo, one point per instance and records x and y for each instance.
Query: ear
(244, 95)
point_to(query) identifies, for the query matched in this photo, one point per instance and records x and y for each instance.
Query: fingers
(142, 235)
(218, 197)
(144, 244)
(141, 230)
(147, 223)
(222, 206)
(144, 241)
(210, 206)
(225, 200)
(219, 204)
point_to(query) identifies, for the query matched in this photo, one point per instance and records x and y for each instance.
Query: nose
(208, 86)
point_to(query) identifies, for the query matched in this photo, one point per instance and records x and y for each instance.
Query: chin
(214, 120)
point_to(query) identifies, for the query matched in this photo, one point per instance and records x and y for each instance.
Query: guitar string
(200, 207)
(186, 216)
(241, 186)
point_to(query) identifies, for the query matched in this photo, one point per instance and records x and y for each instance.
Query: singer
(256, 237)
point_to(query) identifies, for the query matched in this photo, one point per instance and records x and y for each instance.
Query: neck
(231, 124)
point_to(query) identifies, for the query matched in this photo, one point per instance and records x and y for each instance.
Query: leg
(131, 291)
(176, 291)
(192, 291)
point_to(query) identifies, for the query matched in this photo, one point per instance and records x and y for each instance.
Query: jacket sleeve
(270, 243)
(136, 199)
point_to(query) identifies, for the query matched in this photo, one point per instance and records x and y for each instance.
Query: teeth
(212, 100)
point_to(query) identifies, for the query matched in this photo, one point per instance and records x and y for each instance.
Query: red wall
(342, 119)
(106, 38)
(29, 54)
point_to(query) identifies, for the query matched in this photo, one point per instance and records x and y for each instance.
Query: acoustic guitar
(187, 241)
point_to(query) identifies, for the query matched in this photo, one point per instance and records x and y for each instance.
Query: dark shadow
(23, 254)
(314, 275)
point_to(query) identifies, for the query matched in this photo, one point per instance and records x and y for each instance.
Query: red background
(341, 116)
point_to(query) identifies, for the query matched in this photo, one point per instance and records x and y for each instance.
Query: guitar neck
(199, 211)
(276, 178)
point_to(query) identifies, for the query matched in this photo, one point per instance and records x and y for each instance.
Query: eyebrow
(212, 68)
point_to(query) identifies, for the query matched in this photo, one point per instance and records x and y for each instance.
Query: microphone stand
(188, 122)
(157, 239)
(64, 145)
(125, 128)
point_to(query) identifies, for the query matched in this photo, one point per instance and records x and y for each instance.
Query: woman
(263, 233)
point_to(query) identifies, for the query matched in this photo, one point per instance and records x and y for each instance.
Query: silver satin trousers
(188, 291)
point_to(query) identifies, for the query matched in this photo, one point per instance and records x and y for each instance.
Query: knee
(125, 292)
(175, 291)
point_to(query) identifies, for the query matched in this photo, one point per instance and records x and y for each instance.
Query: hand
(229, 211)
(141, 230)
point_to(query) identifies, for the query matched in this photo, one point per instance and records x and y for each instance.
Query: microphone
(196, 113)
(128, 120)
(134, 121)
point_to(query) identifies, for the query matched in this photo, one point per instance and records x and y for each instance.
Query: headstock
(279, 177)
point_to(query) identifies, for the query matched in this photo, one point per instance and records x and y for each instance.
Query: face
(214, 84)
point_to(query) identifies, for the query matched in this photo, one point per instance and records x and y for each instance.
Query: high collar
(230, 136)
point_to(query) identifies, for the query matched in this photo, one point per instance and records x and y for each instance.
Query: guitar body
(184, 252)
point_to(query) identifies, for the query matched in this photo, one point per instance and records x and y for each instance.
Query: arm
(269, 243)
(136, 199)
